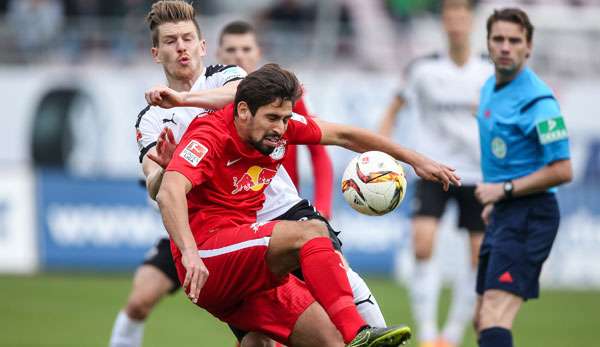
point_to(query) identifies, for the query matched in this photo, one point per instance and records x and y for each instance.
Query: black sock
(495, 337)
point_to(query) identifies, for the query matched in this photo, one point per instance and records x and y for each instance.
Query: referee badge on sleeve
(194, 152)
(552, 130)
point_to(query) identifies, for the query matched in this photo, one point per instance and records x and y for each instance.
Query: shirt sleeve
(228, 73)
(197, 153)
(303, 130)
(549, 129)
(147, 129)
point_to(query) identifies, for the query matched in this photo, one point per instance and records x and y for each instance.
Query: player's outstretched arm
(390, 116)
(172, 202)
(362, 140)
(215, 98)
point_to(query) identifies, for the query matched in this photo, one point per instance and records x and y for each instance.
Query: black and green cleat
(382, 337)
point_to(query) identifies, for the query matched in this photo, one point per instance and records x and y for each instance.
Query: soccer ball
(374, 183)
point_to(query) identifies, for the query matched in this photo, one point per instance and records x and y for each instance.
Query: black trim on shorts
(160, 257)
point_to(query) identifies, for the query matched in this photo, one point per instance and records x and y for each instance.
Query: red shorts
(241, 290)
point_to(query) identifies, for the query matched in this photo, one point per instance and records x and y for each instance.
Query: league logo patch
(194, 152)
(552, 130)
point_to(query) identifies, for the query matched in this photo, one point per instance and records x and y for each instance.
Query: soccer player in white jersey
(282, 200)
(443, 89)
(178, 46)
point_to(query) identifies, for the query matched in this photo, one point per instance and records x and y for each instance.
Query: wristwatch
(508, 189)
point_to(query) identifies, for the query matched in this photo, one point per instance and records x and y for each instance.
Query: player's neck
(183, 84)
(459, 54)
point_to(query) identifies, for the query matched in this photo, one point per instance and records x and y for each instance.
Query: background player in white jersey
(443, 90)
(179, 48)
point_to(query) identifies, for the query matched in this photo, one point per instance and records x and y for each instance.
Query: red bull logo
(255, 178)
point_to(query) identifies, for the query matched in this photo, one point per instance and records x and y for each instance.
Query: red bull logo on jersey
(255, 178)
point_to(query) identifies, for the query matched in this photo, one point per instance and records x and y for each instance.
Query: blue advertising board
(93, 224)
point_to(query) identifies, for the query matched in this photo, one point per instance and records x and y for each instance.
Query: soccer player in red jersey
(238, 45)
(209, 198)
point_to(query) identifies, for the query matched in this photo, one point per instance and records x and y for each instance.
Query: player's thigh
(498, 308)
(286, 240)
(314, 328)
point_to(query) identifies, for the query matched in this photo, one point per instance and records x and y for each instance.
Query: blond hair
(170, 11)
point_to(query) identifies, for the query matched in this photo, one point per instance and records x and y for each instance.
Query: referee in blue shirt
(524, 156)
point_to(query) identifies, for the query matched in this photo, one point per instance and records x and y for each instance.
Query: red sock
(327, 281)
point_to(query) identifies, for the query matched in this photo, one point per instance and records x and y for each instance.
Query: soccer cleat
(381, 337)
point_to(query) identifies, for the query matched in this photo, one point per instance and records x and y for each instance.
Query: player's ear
(243, 110)
(202, 47)
(154, 52)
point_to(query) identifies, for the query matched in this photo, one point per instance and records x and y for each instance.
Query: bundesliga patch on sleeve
(552, 130)
(194, 152)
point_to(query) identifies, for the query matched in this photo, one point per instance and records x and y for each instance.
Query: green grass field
(78, 310)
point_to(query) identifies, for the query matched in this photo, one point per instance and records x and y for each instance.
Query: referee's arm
(554, 174)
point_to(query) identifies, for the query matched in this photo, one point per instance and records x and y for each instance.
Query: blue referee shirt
(521, 128)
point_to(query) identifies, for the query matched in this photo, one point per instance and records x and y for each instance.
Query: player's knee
(138, 308)
(423, 251)
(312, 229)
(254, 339)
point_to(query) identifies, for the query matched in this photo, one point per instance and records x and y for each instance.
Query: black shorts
(160, 257)
(299, 212)
(430, 200)
(516, 243)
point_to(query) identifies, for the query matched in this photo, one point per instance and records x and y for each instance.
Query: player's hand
(486, 212)
(164, 97)
(431, 170)
(489, 193)
(196, 273)
(165, 147)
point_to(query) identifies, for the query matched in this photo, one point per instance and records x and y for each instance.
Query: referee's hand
(196, 273)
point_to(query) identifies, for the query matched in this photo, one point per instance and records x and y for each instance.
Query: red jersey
(228, 175)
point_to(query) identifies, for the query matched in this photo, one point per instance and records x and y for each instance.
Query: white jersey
(445, 98)
(281, 194)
